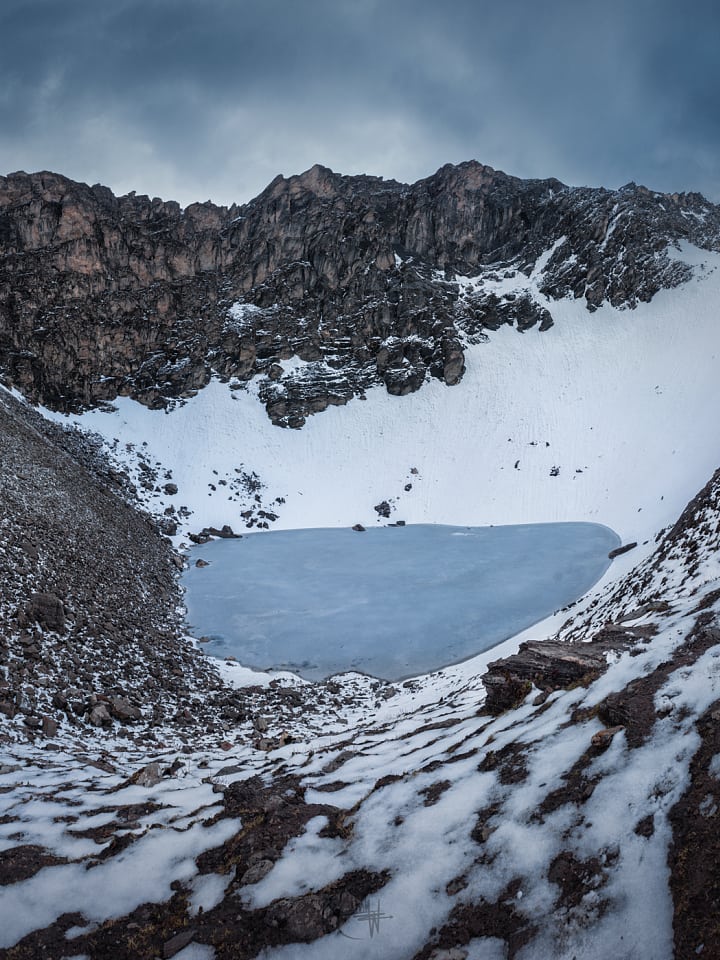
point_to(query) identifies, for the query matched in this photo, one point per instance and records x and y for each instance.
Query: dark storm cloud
(212, 98)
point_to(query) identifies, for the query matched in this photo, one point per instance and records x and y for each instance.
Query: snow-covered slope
(427, 829)
(608, 416)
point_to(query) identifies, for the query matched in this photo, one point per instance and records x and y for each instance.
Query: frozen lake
(393, 601)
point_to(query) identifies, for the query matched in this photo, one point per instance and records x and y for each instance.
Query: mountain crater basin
(392, 601)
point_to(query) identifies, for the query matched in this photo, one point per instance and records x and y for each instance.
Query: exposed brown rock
(433, 793)
(467, 921)
(48, 610)
(20, 863)
(633, 708)
(97, 291)
(510, 763)
(618, 551)
(178, 942)
(575, 878)
(49, 727)
(550, 665)
(695, 851)
(124, 711)
(603, 738)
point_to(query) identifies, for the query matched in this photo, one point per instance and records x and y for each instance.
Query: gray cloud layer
(197, 99)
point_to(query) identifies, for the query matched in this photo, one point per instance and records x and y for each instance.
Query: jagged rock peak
(362, 278)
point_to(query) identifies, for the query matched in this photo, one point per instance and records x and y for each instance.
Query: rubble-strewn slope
(363, 278)
(89, 603)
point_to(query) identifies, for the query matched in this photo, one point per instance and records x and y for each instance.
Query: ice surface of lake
(393, 601)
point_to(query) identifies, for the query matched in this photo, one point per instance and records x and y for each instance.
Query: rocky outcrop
(551, 665)
(364, 280)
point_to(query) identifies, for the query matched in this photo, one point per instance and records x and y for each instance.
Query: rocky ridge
(365, 281)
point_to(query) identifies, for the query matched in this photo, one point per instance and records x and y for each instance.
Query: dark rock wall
(103, 296)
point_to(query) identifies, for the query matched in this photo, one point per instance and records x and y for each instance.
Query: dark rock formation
(47, 610)
(618, 551)
(103, 296)
(550, 665)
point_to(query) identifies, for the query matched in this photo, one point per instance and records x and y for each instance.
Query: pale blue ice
(393, 601)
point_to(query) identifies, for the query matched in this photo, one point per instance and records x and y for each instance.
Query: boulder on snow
(618, 551)
(146, 776)
(200, 538)
(49, 727)
(551, 665)
(226, 532)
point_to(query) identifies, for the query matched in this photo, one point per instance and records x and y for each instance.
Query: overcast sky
(210, 99)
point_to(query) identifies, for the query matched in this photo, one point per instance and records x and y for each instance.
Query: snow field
(621, 401)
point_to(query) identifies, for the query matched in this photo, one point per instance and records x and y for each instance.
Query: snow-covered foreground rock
(576, 823)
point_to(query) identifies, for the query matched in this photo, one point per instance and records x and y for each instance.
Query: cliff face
(361, 278)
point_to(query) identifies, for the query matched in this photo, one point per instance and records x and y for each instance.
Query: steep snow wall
(608, 416)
